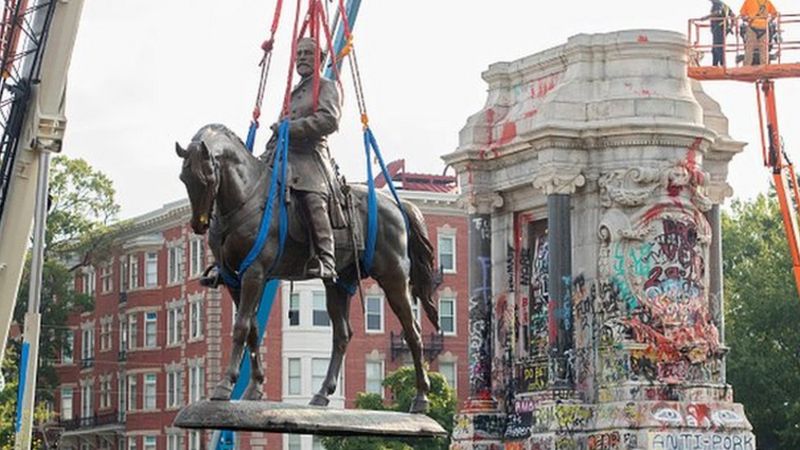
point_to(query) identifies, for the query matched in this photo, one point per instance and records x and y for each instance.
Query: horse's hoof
(319, 400)
(221, 392)
(419, 405)
(253, 392)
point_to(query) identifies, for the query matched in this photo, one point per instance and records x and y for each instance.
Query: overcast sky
(146, 73)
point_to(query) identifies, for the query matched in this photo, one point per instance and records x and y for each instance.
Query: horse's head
(200, 174)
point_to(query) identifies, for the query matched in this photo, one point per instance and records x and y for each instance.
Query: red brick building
(156, 340)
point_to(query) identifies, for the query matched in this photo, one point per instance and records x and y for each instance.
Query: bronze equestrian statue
(225, 181)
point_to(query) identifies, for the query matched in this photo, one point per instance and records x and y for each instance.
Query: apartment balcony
(432, 345)
(108, 420)
(87, 363)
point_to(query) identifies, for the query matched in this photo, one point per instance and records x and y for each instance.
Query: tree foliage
(762, 316)
(402, 385)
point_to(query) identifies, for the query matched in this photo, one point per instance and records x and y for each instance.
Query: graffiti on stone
(683, 440)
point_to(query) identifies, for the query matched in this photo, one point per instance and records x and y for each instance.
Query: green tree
(402, 384)
(78, 233)
(762, 313)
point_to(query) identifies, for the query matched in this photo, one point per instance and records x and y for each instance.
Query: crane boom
(38, 115)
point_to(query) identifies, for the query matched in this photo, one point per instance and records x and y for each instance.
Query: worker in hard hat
(721, 19)
(756, 15)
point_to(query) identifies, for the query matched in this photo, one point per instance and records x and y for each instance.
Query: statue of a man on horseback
(312, 117)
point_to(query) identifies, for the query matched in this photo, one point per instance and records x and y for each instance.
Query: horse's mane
(216, 127)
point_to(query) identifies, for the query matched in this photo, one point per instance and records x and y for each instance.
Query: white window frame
(454, 384)
(150, 329)
(197, 252)
(174, 389)
(452, 299)
(294, 442)
(105, 335)
(149, 443)
(196, 319)
(122, 394)
(132, 442)
(319, 369)
(133, 331)
(174, 441)
(195, 439)
(130, 392)
(175, 265)
(105, 392)
(315, 296)
(443, 236)
(67, 403)
(133, 271)
(294, 372)
(373, 299)
(89, 281)
(106, 280)
(175, 325)
(149, 392)
(87, 343)
(196, 380)
(86, 400)
(151, 269)
(367, 380)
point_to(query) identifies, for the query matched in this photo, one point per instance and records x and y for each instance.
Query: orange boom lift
(772, 67)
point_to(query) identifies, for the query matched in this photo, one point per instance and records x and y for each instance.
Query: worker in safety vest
(310, 168)
(721, 19)
(757, 14)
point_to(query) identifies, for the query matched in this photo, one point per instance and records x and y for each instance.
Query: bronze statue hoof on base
(419, 405)
(222, 391)
(319, 400)
(253, 392)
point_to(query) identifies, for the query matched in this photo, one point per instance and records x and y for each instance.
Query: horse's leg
(254, 389)
(395, 286)
(337, 302)
(252, 287)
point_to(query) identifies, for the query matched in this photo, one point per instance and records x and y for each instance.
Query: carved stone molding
(719, 191)
(637, 186)
(483, 203)
(564, 180)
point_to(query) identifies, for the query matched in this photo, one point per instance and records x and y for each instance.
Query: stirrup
(211, 280)
(318, 269)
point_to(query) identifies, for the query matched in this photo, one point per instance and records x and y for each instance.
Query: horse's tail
(420, 250)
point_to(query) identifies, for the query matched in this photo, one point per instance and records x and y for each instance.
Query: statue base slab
(275, 417)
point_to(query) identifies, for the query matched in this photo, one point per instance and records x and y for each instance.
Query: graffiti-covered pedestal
(596, 170)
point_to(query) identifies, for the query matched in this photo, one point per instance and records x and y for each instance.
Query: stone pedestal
(607, 166)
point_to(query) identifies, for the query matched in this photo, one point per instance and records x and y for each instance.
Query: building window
(294, 442)
(174, 389)
(415, 311)
(374, 313)
(133, 271)
(194, 440)
(67, 349)
(88, 279)
(174, 442)
(149, 443)
(175, 266)
(121, 396)
(131, 442)
(294, 309)
(87, 345)
(319, 368)
(316, 443)
(447, 253)
(105, 336)
(106, 282)
(66, 403)
(174, 325)
(151, 269)
(133, 332)
(149, 402)
(86, 401)
(195, 383)
(320, 312)
(196, 256)
(447, 314)
(374, 378)
(105, 392)
(294, 387)
(124, 274)
(150, 329)
(196, 319)
(448, 371)
(132, 393)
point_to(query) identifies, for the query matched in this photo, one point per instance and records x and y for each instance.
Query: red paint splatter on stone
(509, 133)
(642, 39)
(530, 114)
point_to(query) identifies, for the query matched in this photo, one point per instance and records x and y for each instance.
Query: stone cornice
(559, 180)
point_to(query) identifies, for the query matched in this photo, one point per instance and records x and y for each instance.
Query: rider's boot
(211, 277)
(322, 235)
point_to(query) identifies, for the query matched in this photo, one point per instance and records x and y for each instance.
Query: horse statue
(225, 181)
